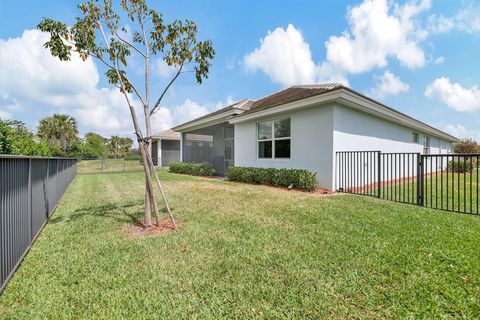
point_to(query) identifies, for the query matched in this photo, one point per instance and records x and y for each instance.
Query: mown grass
(449, 191)
(246, 251)
(108, 165)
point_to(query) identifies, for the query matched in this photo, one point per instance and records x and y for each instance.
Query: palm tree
(119, 146)
(60, 130)
(115, 144)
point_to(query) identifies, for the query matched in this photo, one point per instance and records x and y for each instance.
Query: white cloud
(166, 118)
(459, 131)
(161, 68)
(466, 19)
(440, 23)
(225, 103)
(188, 110)
(439, 60)
(161, 120)
(378, 31)
(454, 95)
(5, 115)
(284, 56)
(33, 79)
(388, 84)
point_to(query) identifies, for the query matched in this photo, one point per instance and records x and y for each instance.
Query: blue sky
(420, 57)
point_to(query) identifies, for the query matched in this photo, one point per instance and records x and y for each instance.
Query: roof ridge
(328, 86)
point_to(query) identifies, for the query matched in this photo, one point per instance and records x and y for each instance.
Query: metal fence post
(379, 173)
(29, 199)
(419, 179)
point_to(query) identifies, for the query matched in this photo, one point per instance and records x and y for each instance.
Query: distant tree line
(466, 146)
(58, 136)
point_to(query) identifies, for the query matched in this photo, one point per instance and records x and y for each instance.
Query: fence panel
(358, 172)
(30, 188)
(440, 181)
(451, 182)
(399, 177)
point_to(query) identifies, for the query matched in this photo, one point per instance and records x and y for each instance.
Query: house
(303, 127)
(165, 148)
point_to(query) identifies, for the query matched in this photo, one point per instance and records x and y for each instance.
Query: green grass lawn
(246, 251)
(449, 191)
(108, 165)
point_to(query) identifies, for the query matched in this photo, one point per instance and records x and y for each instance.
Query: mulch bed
(318, 191)
(138, 230)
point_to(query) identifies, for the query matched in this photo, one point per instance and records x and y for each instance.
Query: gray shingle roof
(168, 134)
(291, 94)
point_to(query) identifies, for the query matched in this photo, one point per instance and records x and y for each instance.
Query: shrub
(194, 169)
(461, 166)
(300, 179)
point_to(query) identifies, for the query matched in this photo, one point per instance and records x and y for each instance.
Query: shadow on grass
(111, 210)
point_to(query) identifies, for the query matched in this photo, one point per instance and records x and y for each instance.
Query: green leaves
(97, 33)
(112, 77)
(58, 32)
(60, 131)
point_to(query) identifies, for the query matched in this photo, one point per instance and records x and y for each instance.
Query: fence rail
(30, 188)
(440, 181)
(87, 166)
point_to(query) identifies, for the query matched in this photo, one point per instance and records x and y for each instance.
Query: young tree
(99, 34)
(466, 146)
(60, 131)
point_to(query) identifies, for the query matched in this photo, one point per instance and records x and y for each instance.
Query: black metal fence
(30, 188)
(440, 181)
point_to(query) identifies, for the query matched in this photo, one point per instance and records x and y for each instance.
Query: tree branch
(128, 43)
(157, 104)
(137, 93)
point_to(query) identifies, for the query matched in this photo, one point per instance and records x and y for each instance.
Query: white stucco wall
(319, 132)
(359, 131)
(311, 143)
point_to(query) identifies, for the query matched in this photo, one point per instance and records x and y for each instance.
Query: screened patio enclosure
(213, 144)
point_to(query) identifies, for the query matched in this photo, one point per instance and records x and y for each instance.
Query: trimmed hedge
(194, 169)
(300, 179)
(460, 166)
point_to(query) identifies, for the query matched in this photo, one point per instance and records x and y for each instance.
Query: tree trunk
(149, 198)
(150, 205)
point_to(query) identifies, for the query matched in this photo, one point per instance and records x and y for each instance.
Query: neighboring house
(165, 148)
(303, 127)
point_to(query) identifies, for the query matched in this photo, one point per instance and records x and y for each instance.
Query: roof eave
(205, 122)
(363, 103)
(353, 99)
(291, 106)
(164, 138)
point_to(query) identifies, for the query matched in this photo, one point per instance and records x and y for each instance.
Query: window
(426, 145)
(274, 139)
(415, 137)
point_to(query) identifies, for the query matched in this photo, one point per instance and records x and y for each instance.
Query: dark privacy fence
(440, 181)
(30, 188)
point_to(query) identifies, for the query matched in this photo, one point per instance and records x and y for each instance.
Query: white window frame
(415, 135)
(426, 144)
(273, 139)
